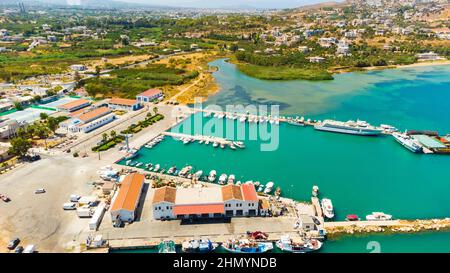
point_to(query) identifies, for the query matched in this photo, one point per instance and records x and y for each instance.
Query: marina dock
(316, 206)
(210, 139)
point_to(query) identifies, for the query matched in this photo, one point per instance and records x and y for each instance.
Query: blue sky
(229, 3)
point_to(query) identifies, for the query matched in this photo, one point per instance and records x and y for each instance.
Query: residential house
(124, 104)
(150, 95)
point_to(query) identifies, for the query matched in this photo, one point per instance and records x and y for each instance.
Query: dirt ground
(204, 85)
(118, 61)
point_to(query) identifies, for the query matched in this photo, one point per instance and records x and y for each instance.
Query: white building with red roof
(89, 120)
(209, 202)
(150, 95)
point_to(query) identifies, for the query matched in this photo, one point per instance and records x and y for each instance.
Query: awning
(198, 209)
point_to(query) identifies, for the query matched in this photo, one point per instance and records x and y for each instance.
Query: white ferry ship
(408, 142)
(358, 127)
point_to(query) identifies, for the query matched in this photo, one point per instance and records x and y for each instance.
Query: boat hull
(407, 146)
(349, 131)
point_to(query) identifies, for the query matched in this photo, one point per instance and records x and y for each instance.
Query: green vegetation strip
(8, 112)
(43, 107)
(284, 73)
(135, 128)
(109, 143)
(130, 82)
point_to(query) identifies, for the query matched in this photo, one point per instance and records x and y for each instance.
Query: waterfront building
(126, 201)
(211, 202)
(8, 127)
(306, 222)
(316, 59)
(89, 120)
(123, 104)
(428, 56)
(74, 105)
(150, 95)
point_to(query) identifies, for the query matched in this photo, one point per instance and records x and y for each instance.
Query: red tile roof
(150, 93)
(199, 209)
(120, 101)
(129, 193)
(74, 104)
(165, 194)
(98, 112)
(231, 192)
(249, 192)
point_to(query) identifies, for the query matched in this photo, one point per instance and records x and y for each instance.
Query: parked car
(13, 243)
(29, 249)
(69, 206)
(19, 249)
(39, 191)
(4, 198)
(75, 197)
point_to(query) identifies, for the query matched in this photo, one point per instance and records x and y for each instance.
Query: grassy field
(284, 73)
(127, 83)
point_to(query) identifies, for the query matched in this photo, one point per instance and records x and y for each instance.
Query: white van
(74, 198)
(29, 249)
(69, 206)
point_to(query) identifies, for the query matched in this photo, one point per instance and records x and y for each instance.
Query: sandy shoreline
(377, 68)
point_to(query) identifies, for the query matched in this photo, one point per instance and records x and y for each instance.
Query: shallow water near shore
(359, 174)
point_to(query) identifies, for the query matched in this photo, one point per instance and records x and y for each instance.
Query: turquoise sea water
(360, 174)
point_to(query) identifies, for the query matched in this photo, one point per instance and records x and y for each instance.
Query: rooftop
(249, 192)
(150, 93)
(429, 142)
(73, 104)
(129, 192)
(120, 101)
(199, 196)
(231, 192)
(165, 194)
(88, 116)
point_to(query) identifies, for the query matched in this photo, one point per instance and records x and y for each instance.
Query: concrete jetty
(211, 139)
(393, 226)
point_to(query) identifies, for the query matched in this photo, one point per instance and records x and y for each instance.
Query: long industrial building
(210, 202)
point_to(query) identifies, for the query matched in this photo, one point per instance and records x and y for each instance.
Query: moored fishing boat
(315, 190)
(298, 246)
(131, 153)
(198, 246)
(157, 167)
(352, 217)
(198, 174)
(378, 216)
(239, 144)
(269, 187)
(222, 179)
(231, 179)
(212, 176)
(247, 246)
(327, 208)
(166, 247)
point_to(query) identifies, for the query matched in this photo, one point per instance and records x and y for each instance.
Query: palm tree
(155, 109)
(104, 137)
(113, 134)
